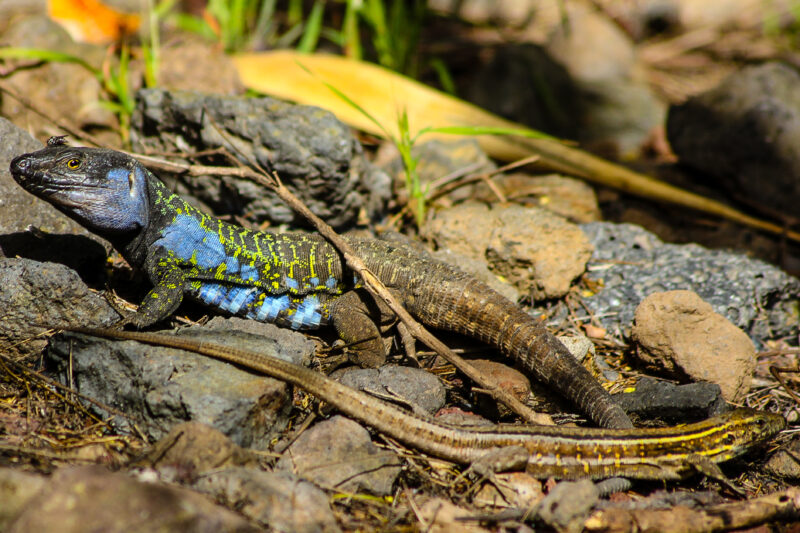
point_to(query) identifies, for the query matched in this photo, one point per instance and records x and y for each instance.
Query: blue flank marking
(331, 283)
(307, 314)
(237, 298)
(313, 282)
(185, 238)
(292, 283)
(212, 293)
(271, 307)
(231, 265)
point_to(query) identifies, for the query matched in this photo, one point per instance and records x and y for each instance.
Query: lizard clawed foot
(704, 465)
(126, 317)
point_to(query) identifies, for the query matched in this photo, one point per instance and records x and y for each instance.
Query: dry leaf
(91, 21)
(385, 95)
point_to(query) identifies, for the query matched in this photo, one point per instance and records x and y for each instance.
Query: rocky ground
(678, 314)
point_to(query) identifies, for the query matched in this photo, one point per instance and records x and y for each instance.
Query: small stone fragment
(511, 380)
(339, 454)
(457, 417)
(278, 501)
(567, 505)
(194, 448)
(508, 379)
(785, 463)
(519, 489)
(578, 346)
(438, 515)
(680, 334)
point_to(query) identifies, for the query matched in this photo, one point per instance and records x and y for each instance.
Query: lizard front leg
(169, 281)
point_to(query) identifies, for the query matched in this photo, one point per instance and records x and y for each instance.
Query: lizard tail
(444, 297)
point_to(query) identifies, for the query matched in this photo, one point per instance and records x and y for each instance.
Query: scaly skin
(294, 280)
(544, 451)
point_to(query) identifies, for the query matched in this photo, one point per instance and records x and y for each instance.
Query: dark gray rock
(315, 155)
(419, 388)
(672, 403)
(46, 294)
(632, 263)
(278, 501)
(338, 454)
(158, 388)
(263, 337)
(744, 134)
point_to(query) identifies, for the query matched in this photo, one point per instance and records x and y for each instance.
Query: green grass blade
(313, 26)
(349, 101)
(40, 54)
(488, 130)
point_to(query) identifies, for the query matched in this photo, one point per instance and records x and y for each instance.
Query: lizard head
(104, 190)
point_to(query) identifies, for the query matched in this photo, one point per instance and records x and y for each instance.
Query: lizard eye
(74, 164)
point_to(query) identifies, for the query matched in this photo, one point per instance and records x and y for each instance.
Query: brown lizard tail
(444, 297)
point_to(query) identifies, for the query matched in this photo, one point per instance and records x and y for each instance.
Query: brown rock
(783, 463)
(618, 108)
(94, 499)
(16, 489)
(192, 65)
(679, 333)
(535, 250)
(194, 447)
(478, 268)
(338, 453)
(63, 92)
(276, 500)
(464, 229)
(438, 515)
(568, 197)
(510, 380)
(513, 489)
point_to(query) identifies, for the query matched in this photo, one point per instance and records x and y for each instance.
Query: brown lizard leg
(353, 315)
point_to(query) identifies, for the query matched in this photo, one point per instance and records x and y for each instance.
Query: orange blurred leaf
(91, 21)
